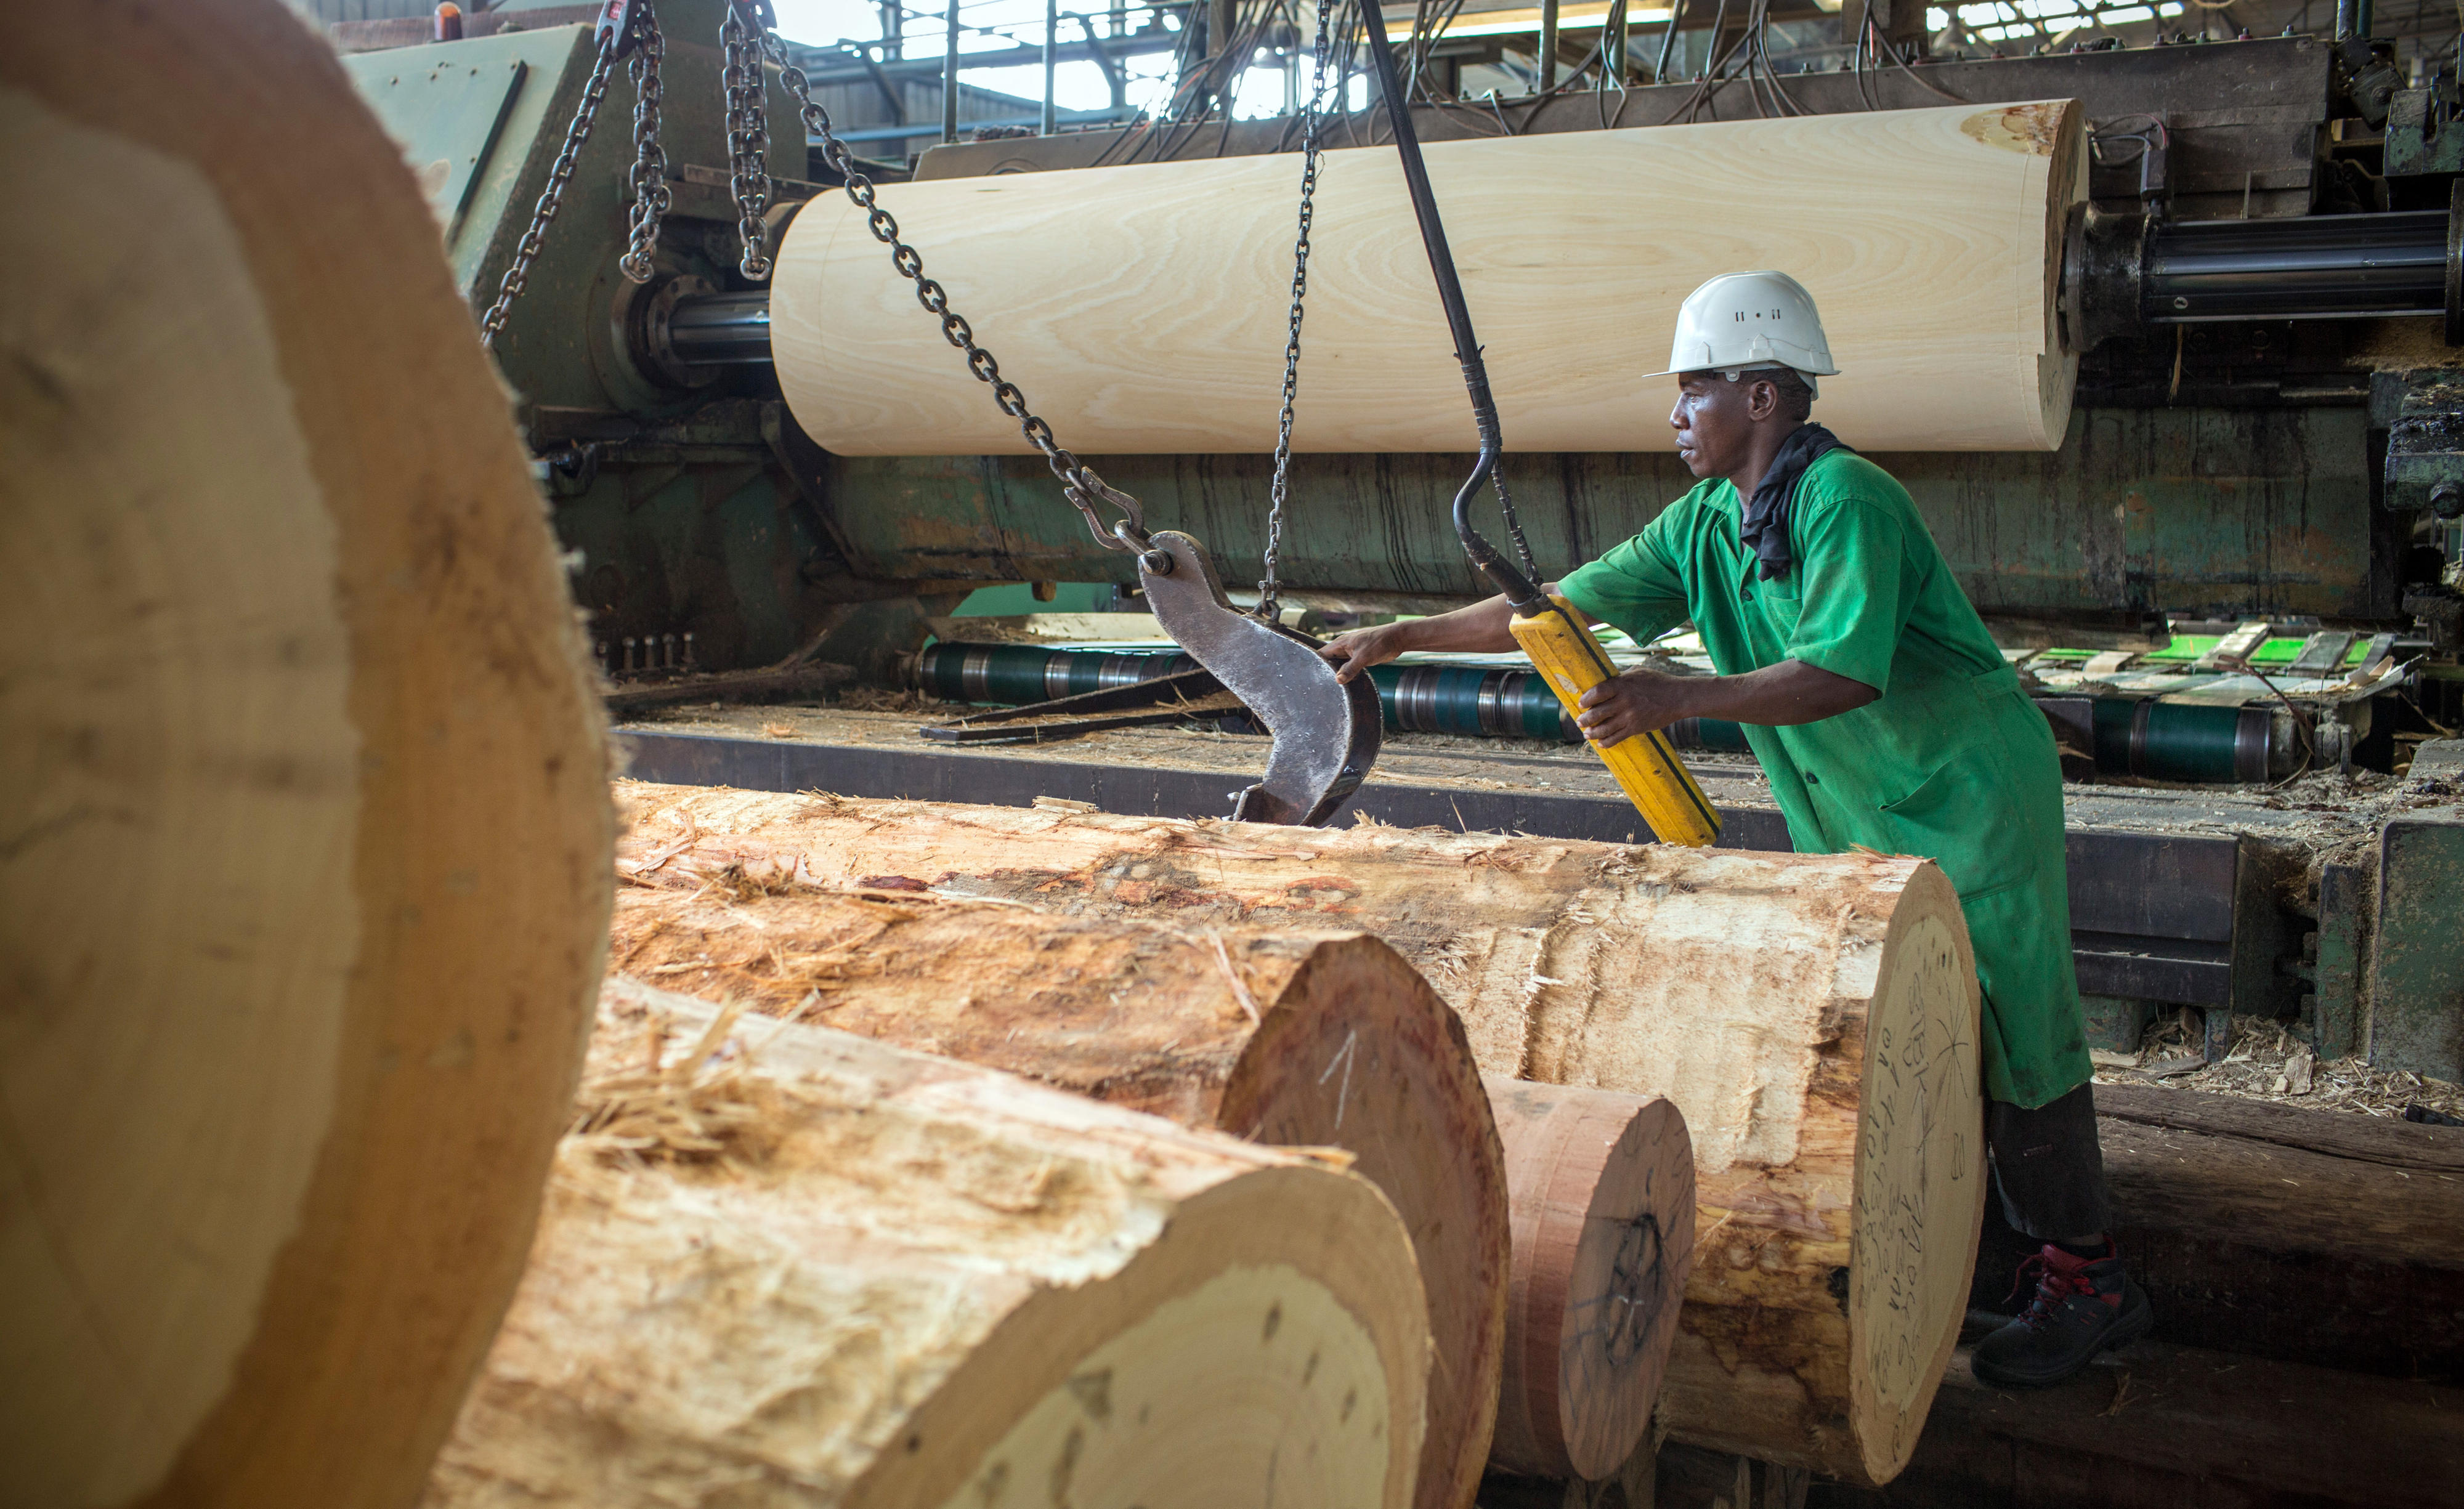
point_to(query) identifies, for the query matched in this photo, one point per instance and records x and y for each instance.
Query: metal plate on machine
(2418, 968)
(447, 113)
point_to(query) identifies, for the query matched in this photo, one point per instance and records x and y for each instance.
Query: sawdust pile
(2269, 1061)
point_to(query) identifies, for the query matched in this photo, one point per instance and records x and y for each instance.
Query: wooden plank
(2159, 1426)
(2256, 1246)
(2339, 1135)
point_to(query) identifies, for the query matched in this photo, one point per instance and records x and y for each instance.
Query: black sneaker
(2083, 1307)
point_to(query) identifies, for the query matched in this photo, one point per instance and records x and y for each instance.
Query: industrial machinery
(2263, 483)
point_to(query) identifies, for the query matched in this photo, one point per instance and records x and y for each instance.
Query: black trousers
(2049, 1166)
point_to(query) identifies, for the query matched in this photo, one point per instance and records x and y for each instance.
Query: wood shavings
(638, 1103)
(2269, 1061)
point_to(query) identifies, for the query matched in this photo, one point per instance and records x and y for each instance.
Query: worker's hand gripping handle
(1655, 780)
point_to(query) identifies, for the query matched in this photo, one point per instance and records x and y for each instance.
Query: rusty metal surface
(2197, 511)
(2245, 118)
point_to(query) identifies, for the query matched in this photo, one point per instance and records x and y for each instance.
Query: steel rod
(2317, 267)
(950, 75)
(1524, 595)
(1051, 35)
(721, 329)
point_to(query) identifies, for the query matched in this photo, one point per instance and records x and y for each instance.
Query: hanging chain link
(652, 196)
(517, 276)
(1079, 482)
(1269, 598)
(744, 36)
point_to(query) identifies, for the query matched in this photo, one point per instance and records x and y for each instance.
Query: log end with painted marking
(1920, 1172)
(1603, 1197)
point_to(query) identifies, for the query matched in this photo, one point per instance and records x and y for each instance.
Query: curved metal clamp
(1326, 732)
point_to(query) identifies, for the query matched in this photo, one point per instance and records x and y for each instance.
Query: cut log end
(1604, 1212)
(1920, 1174)
(303, 885)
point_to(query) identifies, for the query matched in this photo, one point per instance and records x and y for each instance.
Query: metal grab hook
(1326, 732)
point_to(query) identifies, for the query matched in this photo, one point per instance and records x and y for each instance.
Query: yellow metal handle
(1563, 651)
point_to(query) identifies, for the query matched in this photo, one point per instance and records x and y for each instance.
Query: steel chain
(1269, 597)
(744, 36)
(652, 196)
(1078, 481)
(526, 251)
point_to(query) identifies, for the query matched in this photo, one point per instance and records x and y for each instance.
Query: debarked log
(1814, 1018)
(782, 1265)
(1312, 1040)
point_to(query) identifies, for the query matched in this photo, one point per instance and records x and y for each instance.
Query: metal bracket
(615, 16)
(1326, 732)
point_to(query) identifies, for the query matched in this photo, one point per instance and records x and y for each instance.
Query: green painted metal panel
(2187, 511)
(2335, 1005)
(561, 347)
(447, 114)
(2417, 969)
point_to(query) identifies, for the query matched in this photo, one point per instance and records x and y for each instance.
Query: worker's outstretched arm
(1775, 696)
(1479, 630)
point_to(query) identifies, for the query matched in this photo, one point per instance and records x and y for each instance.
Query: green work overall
(1952, 761)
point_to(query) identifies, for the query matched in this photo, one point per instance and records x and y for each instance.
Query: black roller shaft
(2321, 266)
(721, 329)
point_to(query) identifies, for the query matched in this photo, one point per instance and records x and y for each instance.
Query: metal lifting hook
(1326, 732)
(1547, 629)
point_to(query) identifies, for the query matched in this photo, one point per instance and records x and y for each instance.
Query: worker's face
(1715, 420)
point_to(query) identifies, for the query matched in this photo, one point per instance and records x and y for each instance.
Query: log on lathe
(1931, 239)
(1602, 1193)
(783, 1266)
(1313, 1041)
(1814, 1018)
(303, 813)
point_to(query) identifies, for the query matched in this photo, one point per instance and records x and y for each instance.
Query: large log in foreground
(1813, 1017)
(783, 1266)
(1311, 1040)
(303, 814)
(1602, 1186)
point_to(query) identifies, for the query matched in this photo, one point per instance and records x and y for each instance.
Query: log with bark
(1316, 1040)
(303, 813)
(1813, 1017)
(783, 1266)
(1602, 1185)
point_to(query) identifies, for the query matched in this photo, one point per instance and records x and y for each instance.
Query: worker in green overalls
(1886, 717)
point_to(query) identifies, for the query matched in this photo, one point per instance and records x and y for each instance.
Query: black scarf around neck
(1764, 529)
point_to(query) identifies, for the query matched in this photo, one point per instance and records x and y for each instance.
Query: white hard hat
(1743, 320)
